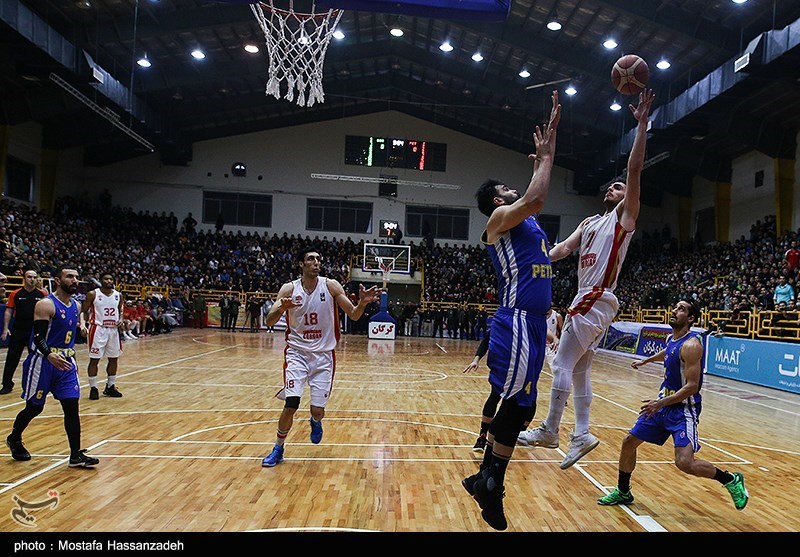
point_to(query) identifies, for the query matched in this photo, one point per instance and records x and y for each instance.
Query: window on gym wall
(238, 209)
(19, 180)
(339, 216)
(442, 222)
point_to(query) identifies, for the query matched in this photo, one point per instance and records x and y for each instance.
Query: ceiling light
(251, 48)
(570, 90)
(144, 62)
(610, 44)
(615, 106)
(83, 4)
(477, 57)
(663, 64)
(554, 26)
(525, 73)
(396, 32)
(445, 47)
(198, 54)
(338, 35)
(739, 1)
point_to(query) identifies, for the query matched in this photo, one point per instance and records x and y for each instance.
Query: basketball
(630, 74)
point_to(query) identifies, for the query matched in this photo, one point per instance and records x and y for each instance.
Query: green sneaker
(738, 491)
(616, 497)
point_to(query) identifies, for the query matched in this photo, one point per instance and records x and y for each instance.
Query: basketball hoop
(386, 266)
(296, 46)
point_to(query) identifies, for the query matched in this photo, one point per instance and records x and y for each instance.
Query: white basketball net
(296, 46)
(386, 265)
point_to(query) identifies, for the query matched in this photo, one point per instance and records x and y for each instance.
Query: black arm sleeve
(39, 336)
(483, 347)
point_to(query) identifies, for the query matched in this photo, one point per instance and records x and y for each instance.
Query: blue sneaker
(316, 431)
(273, 458)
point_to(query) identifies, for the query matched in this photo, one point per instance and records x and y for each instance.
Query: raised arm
(563, 249)
(629, 208)
(531, 202)
(283, 303)
(365, 296)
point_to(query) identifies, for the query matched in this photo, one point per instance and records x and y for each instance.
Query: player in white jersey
(312, 331)
(602, 242)
(102, 310)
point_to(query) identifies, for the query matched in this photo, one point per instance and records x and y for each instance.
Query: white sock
(93, 381)
(558, 401)
(112, 379)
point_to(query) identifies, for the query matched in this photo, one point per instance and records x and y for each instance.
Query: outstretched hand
(369, 294)
(642, 112)
(287, 303)
(545, 139)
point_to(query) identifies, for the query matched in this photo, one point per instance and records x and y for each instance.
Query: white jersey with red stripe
(313, 325)
(604, 243)
(105, 309)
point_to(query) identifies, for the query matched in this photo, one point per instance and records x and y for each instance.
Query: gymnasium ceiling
(706, 114)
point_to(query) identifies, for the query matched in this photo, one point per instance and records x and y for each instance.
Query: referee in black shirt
(20, 304)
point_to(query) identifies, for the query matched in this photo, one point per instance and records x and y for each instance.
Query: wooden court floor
(181, 451)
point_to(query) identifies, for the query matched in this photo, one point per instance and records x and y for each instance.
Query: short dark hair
(694, 309)
(302, 252)
(485, 196)
(60, 269)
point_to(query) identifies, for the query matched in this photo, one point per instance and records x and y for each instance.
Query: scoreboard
(390, 152)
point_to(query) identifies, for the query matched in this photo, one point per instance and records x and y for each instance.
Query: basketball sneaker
(738, 491)
(111, 390)
(480, 444)
(538, 437)
(489, 496)
(82, 460)
(316, 431)
(616, 497)
(469, 482)
(579, 446)
(94, 394)
(273, 458)
(18, 450)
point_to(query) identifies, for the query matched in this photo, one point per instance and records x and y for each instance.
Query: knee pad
(562, 379)
(292, 402)
(490, 406)
(33, 410)
(508, 422)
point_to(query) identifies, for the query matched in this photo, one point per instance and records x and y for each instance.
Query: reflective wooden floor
(181, 451)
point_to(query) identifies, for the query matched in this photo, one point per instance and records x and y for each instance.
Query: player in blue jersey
(50, 367)
(518, 248)
(675, 412)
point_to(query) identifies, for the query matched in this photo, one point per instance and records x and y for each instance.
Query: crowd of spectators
(156, 249)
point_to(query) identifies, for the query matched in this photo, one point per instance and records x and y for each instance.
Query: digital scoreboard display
(389, 152)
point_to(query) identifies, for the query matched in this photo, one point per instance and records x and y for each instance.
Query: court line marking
(61, 461)
(644, 520)
(150, 368)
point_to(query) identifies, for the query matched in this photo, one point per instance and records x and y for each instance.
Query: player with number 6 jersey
(312, 331)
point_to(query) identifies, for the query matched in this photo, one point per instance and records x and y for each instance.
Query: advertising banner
(761, 362)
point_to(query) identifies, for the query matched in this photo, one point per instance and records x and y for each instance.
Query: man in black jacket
(20, 305)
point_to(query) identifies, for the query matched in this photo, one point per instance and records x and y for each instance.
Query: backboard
(377, 254)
